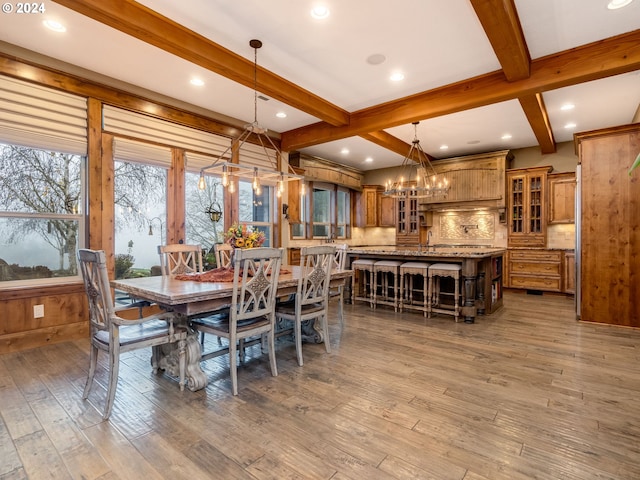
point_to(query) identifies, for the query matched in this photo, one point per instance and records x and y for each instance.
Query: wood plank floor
(525, 393)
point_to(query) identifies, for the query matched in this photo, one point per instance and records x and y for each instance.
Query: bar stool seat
(408, 272)
(361, 285)
(382, 269)
(437, 271)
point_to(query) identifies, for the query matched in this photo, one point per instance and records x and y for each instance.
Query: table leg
(169, 361)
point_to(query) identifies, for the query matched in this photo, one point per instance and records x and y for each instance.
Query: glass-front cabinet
(527, 213)
(407, 220)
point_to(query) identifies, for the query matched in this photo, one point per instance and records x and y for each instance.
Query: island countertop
(433, 251)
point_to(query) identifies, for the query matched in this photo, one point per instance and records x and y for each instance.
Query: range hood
(477, 182)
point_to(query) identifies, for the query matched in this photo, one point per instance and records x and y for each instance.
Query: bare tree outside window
(41, 195)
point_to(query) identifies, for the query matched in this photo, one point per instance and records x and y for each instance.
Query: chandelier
(228, 171)
(417, 177)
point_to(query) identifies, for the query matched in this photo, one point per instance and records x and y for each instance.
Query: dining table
(190, 298)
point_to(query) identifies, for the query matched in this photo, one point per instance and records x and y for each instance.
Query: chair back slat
(177, 259)
(340, 257)
(255, 282)
(93, 266)
(223, 253)
(316, 264)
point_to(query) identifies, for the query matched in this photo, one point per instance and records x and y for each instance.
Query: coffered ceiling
(474, 71)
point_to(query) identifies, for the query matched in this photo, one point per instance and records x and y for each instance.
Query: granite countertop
(435, 251)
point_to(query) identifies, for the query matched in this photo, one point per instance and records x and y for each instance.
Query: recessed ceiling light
(506, 136)
(567, 106)
(397, 76)
(615, 4)
(281, 115)
(570, 125)
(55, 26)
(344, 151)
(198, 82)
(368, 159)
(444, 147)
(320, 12)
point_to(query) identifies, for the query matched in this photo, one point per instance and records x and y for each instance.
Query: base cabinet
(569, 272)
(535, 269)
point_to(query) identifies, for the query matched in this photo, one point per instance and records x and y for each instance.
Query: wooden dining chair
(252, 312)
(223, 253)
(116, 335)
(339, 262)
(179, 258)
(312, 295)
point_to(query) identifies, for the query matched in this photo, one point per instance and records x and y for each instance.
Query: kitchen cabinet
(407, 220)
(535, 269)
(293, 256)
(526, 209)
(490, 284)
(387, 210)
(374, 208)
(562, 197)
(609, 224)
(569, 272)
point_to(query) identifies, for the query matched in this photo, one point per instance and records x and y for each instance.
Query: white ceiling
(433, 43)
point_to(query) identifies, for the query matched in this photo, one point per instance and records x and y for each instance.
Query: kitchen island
(481, 270)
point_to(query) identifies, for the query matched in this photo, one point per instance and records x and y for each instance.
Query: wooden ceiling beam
(536, 112)
(144, 24)
(388, 141)
(605, 58)
(501, 24)
(500, 21)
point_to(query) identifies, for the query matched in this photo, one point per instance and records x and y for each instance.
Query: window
(298, 229)
(41, 223)
(140, 184)
(255, 209)
(344, 213)
(43, 147)
(331, 206)
(199, 205)
(322, 214)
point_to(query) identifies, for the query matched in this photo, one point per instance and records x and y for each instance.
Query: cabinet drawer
(535, 283)
(536, 268)
(536, 255)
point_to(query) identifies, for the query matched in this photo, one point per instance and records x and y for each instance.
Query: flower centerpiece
(242, 236)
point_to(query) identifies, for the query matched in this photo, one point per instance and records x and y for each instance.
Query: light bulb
(225, 177)
(256, 180)
(201, 183)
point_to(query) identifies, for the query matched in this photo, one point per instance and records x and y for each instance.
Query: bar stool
(361, 284)
(408, 273)
(386, 268)
(437, 271)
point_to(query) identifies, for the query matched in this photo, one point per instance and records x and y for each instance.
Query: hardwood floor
(525, 393)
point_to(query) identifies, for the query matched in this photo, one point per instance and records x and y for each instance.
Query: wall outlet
(38, 311)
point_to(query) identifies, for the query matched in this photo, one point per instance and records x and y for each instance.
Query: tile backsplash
(467, 227)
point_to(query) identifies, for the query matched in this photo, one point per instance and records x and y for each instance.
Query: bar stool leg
(425, 299)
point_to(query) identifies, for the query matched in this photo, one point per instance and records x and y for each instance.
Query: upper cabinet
(476, 181)
(562, 197)
(375, 209)
(527, 211)
(407, 220)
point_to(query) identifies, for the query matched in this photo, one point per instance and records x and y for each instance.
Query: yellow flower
(240, 242)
